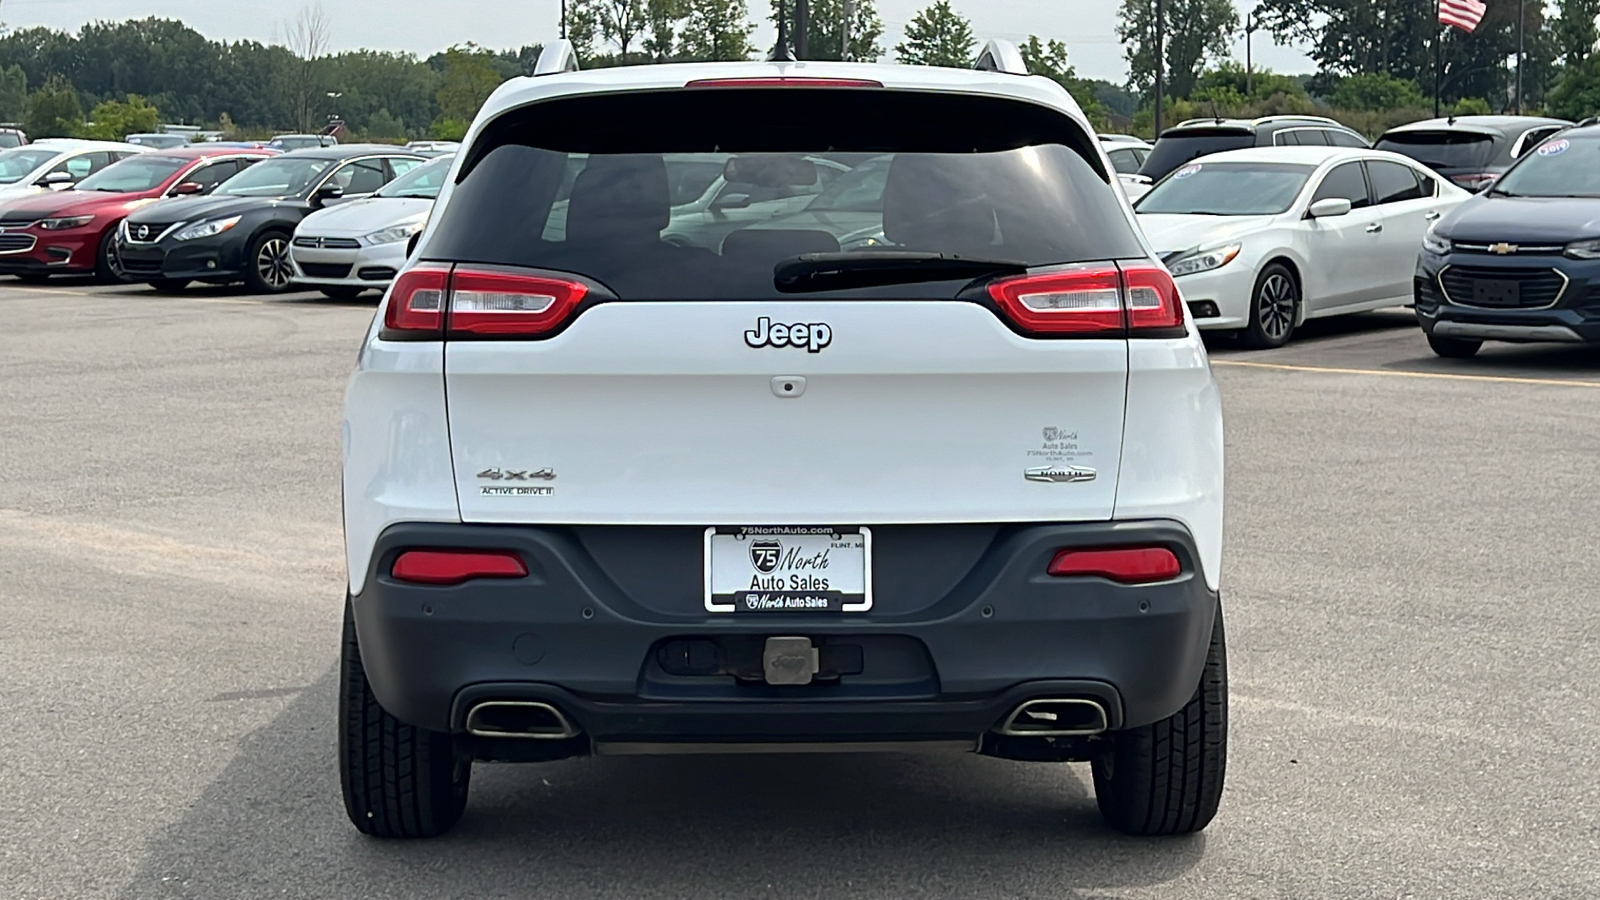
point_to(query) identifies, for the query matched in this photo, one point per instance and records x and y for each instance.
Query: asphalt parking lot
(1410, 590)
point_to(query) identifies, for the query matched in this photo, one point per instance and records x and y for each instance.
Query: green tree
(615, 23)
(1196, 32)
(1578, 94)
(13, 94)
(1230, 75)
(715, 30)
(382, 126)
(938, 36)
(113, 120)
(662, 18)
(54, 111)
(1375, 91)
(1575, 33)
(469, 79)
(1050, 60)
(825, 40)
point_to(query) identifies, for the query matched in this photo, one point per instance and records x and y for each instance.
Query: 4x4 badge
(1060, 474)
(495, 473)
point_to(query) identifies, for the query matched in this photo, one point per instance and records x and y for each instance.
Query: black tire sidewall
(103, 272)
(252, 273)
(1254, 335)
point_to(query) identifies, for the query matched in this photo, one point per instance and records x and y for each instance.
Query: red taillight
(416, 302)
(1127, 565)
(456, 566)
(506, 303)
(768, 81)
(1097, 299)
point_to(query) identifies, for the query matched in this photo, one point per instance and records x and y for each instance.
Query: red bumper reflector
(1127, 565)
(456, 566)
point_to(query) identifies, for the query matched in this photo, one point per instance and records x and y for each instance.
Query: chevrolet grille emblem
(1503, 249)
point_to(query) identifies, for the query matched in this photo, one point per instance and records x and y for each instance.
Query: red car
(73, 231)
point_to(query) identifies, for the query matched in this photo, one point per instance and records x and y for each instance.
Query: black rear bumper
(941, 656)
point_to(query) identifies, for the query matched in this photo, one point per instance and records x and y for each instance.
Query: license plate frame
(838, 544)
(1496, 292)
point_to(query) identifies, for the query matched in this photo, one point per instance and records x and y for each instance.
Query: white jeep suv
(959, 486)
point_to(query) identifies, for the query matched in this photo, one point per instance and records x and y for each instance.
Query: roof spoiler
(556, 57)
(1001, 56)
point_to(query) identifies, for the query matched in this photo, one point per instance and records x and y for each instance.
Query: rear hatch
(1464, 157)
(1180, 146)
(965, 362)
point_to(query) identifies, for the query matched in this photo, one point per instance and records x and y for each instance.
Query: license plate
(1495, 292)
(755, 569)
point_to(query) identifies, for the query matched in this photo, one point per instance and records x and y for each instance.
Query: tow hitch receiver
(789, 660)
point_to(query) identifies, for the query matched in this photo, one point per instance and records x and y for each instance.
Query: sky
(1087, 27)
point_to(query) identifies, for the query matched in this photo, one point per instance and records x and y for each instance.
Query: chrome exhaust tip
(1056, 717)
(519, 719)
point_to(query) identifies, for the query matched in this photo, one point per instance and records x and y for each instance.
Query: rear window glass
(1441, 149)
(700, 194)
(1174, 149)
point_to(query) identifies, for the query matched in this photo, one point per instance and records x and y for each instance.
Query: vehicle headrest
(619, 196)
(936, 202)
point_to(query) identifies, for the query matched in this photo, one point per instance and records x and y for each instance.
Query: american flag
(1462, 14)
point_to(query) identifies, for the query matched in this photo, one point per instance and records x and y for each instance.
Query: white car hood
(363, 217)
(1169, 233)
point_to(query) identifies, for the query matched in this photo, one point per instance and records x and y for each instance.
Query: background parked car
(1471, 151)
(1127, 155)
(359, 246)
(287, 142)
(11, 138)
(159, 141)
(74, 231)
(434, 148)
(1195, 138)
(242, 231)
(1260, 240)
(55, 164)
(1520, 261)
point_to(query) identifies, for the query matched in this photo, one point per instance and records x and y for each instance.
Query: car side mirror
(57, 180)
(1331, 208)
(328, 193)
(732, 201)
(188, 188)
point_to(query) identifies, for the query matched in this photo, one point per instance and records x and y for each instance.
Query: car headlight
(397, 233)
(206, 229)
(1436, 243)
(1584, 250)
(65, 222)
(1203, 260)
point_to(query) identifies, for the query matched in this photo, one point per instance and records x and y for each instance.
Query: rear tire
(1454, 348)
(1166, 778)
(399, 781)
(342, 293)
(1274, 308)
(170, 285)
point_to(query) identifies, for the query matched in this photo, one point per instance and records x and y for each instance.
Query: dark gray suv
(1195, 138)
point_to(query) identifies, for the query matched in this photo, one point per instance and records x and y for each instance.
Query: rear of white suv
(959, 486)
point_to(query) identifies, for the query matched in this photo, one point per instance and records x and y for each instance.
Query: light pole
(1161, 59)
(1522, 18)
(1249, 64)
(849, 10)
(802, 21)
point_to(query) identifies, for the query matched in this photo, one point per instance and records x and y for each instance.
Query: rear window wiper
(872, 268)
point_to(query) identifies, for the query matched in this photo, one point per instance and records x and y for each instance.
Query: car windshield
(422, 183)
(136, 173)
(548, 194)
(281, 177)
(16, 164)
(9, 139)
(1564, 167)
(1176, 148)
(1441, 150)
(859, 190)
(1227, 189)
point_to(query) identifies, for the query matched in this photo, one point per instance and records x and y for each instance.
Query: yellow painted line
(1507, 379)
(52, 292)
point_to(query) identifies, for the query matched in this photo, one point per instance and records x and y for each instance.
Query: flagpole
(1438, 54)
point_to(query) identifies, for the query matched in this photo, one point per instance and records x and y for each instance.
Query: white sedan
(1262, 239)
(57, 163)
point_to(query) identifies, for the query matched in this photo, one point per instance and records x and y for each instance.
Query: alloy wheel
(272, 262)
(114, 262)
(1275, 306)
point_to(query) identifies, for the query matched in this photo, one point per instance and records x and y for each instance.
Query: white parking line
(1508, 379)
